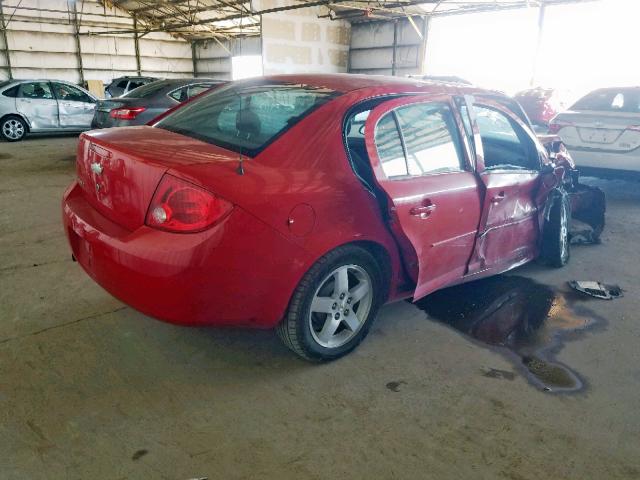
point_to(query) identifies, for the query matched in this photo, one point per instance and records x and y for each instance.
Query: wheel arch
(19, 115)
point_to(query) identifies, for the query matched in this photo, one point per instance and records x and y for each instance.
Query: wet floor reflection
(527, 321)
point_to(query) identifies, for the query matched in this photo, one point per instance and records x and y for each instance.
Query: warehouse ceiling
(200, 19)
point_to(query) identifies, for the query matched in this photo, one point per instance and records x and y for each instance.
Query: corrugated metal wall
(42, 44)
(372, 47)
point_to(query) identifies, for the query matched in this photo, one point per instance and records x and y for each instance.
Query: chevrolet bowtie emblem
(96, 168)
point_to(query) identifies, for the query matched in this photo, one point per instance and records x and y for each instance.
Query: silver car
(602, 132)
(43, 106)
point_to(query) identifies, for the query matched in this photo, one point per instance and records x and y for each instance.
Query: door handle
(422, 212)
(498, 198)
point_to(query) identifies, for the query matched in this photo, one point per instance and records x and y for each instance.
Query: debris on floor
(597, 289)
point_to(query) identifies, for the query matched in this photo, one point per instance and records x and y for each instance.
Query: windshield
(147, 90)
(611, 100)
(246, 117)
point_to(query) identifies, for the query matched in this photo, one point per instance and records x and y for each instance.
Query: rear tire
(334, 305)
(13, 128)
(555, 249)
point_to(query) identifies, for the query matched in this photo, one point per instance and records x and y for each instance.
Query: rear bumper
(240, 272)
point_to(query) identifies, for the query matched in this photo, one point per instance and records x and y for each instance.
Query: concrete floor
(92, 389)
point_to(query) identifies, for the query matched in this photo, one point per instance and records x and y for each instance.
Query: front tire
(334, 305)
(13, 128)
(555, 250)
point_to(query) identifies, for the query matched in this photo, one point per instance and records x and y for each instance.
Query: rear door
(421, 163)
(508, 165)
(38, 104)
(75, 107)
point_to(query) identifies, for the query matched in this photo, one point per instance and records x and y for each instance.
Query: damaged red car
(306, 202)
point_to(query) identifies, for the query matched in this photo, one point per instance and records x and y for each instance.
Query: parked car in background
(121, 85)
(602, 131)
(541, 105)
(43, 106)
(307, 201)
(147, 102)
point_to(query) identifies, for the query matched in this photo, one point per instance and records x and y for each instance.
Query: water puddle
(526, 321)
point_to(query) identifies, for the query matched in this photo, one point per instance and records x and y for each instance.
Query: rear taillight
(126, 113)
(634, 128)
(180, 206)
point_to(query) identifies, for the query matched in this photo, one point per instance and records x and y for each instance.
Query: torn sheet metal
(596, 289)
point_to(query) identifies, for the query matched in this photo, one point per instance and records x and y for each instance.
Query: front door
(75, 107)
(421, 163)
(508, 165)
(36, 102)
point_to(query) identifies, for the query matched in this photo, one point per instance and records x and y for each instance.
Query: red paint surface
(244, 269)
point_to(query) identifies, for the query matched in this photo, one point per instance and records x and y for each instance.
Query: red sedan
(306, 202)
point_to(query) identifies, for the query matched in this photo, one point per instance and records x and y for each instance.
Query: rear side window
(146, 90)
(431, 139)
(246, 117)
(180, 95)
(135, 84)
(36, 90)
(610, 100)
(11, 92)
(194, 90)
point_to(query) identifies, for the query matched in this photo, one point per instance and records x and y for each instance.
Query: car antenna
(240, 169)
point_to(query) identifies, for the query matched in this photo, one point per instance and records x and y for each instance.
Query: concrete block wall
(42, 43)
(213, 58)
(372, 46)
(297, 41)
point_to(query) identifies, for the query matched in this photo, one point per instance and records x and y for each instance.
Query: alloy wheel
(340, 306)
(13, 129)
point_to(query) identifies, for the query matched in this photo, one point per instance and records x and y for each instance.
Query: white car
(602, 131)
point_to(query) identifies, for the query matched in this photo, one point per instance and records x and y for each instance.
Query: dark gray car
(121, 85)
(147, 102)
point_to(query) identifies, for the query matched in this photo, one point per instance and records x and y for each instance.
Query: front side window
(431, 138)
(36, 90)
(505, 144)
(246, 117)
(70, 94)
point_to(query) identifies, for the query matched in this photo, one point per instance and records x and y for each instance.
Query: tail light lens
(126, 113)
(634, 128)
(180, 206)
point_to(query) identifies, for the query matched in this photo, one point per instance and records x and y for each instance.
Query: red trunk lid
(120, 168)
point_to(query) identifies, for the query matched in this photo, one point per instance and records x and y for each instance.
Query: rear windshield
(246, 117)
(611, 100)
(147, 90)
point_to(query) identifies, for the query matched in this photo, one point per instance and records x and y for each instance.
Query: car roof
(348, 82)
